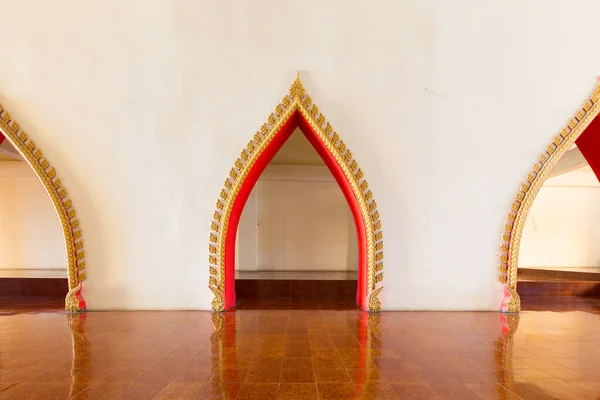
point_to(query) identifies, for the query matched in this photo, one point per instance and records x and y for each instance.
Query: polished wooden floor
(550, 351)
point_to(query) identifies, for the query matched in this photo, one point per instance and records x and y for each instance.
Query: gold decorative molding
(517, 216)
(374, 302)
(296, 101)
(63, 205)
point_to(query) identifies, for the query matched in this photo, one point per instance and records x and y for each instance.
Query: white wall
(562, 228)
(31, 241)
(144, 105)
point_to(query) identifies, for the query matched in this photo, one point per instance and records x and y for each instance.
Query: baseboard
(34, 286)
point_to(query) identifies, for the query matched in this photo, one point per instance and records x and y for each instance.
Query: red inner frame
(589, 145)
(295, 120)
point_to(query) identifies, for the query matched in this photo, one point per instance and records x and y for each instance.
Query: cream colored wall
(143, 106)
(297, 219)
(31, 241)
(562, 226)
(303, 226)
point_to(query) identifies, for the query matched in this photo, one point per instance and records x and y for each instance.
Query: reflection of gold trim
(63, 206)
(511, 238)
(297, 100)
(504, 352)
(81, 348)
(373, 346)
(218, 346)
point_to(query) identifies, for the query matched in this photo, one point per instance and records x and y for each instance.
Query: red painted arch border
(296, 110)
(295, 120)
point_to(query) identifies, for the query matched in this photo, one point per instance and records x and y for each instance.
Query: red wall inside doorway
(589, 145)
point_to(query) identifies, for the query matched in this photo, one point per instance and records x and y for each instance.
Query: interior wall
(143, 107)
(31, 241)
(297, 219)
(562, 227)
(297, 150)
(304, 225)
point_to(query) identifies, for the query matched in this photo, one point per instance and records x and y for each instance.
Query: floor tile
(258, 391)
(297, 376)
(298, 391)
(332, 376)
(260, 375)
(334, 391)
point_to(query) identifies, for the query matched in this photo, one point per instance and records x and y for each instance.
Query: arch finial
(297, 90)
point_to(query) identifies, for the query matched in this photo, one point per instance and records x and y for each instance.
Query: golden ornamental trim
(517, 216)
(296, 100)
(63, 205)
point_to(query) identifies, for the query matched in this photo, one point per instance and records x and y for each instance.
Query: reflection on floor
(20, 304)
(303, 354)
(561, 304)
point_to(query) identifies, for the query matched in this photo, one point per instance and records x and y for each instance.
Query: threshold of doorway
(297, 275)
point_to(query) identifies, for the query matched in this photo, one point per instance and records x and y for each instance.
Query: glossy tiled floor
(302, 354)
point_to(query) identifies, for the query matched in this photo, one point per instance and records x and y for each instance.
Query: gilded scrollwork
(517, 216)
(63, 205)
(296, 101)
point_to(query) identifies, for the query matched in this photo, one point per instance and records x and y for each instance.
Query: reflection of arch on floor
(81, 347)
(295, 110)
(584, 130)
(63, 206)
(225, 346)
(503, 351)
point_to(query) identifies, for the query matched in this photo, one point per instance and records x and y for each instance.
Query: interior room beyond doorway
(33, 270)
(296, 240)
(559, 255)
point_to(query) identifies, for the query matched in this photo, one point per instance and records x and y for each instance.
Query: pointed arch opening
(30, 152)
(296, 111)
(583, 131)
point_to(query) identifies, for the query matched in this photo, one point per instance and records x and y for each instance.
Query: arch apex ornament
(517, 216)
(62, 204)
(295, 110)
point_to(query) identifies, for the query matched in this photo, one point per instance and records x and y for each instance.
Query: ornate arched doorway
(63, 206)
(296, 110)
(583, 129)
